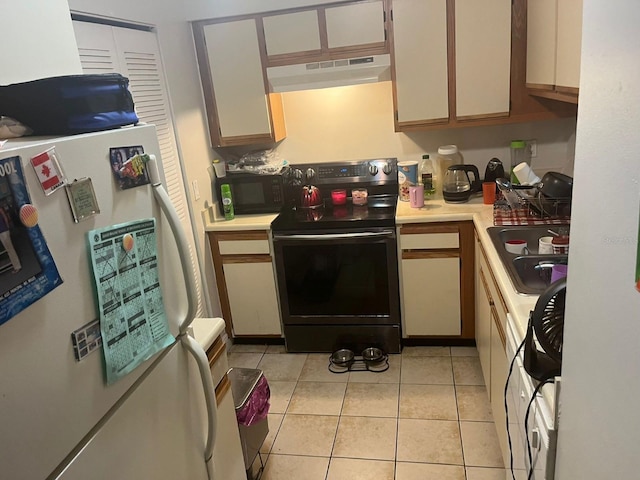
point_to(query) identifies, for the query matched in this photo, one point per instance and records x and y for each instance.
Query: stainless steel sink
(530, 273)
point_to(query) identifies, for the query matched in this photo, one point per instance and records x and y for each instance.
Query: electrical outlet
(533, 148)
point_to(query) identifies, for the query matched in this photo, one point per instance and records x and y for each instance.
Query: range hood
(331, 73)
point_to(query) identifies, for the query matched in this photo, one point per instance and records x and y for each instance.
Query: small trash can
(251, 395)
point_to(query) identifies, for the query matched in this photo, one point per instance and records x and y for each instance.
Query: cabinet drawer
(243, 247)
(429, 241)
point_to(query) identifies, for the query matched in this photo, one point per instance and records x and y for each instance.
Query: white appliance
(330, 73)
(541, 429)
(58, 417)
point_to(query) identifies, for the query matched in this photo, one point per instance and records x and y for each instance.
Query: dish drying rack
(525, 206)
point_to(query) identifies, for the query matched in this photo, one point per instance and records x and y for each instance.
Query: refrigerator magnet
(128, 166)
(48, 171)
(82, 199)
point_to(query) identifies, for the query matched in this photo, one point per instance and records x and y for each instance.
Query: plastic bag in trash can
(257, 406)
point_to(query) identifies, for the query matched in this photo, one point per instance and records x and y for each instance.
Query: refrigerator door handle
(189, 343)
(200, 357)
(181, 240)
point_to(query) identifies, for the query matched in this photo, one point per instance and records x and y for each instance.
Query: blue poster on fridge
(27, 269)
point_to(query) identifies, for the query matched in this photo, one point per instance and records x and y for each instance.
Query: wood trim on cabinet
(485, 286)
(422, 228)
(498, 324)
(568, 90)
(216, 351)
(240, 235)
(221, 284)
(420, 254)
(473, 118)
(493, 279)
(248, 258)
(539, 86)
(322, 26)
(451, 57)
(467, 280)
(210, 104)
(555, 95)
(278, 128)
(223, 387)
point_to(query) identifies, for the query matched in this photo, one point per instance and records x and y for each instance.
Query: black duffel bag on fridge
(70, 104)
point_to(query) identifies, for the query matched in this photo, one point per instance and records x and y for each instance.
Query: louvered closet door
(135, 54)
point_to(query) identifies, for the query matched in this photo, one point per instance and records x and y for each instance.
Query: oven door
(338, 278)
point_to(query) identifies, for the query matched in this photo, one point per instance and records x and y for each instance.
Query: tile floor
(426, 418)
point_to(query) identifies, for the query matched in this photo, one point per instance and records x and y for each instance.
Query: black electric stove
(337, 265)
(379, 177)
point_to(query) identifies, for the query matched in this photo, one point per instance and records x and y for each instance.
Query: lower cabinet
(436, 274)
(491, 322)
(246, 283)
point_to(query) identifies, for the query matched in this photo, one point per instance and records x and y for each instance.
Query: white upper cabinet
(541, 42)
(569, 44)
(420, 59)
(240, 111)
(446, 46)
(236, 74)
(292, 32)
(483, 57)
(554, 41)
(320, 33)
(355, 24)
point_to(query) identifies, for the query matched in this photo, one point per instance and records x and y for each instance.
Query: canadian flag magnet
(48, 171)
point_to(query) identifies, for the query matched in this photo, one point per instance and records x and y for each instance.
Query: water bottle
(227, 201)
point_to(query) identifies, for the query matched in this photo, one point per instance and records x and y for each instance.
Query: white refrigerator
(58, 417)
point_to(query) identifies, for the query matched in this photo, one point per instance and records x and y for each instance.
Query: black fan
(547, 322)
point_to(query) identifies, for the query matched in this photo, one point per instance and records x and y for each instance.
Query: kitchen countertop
(437, 210)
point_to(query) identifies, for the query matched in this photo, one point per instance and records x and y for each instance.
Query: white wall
(600, 421)
(36, 45)
(356, 122)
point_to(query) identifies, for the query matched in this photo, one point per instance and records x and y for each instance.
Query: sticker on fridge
(133, 322)
(27, 269)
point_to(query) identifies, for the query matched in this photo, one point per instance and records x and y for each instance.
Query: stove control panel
(377, 171)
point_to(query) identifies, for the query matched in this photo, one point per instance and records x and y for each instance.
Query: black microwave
(252, 193)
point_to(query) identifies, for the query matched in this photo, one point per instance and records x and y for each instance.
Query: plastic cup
(558, 272)
(489, 193)
(416, 196)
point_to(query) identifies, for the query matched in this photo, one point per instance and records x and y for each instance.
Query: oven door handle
(336, 236)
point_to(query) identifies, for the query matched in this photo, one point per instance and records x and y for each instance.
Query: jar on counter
(448, 155)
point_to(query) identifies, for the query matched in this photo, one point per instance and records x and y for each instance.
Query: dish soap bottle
(427, 176)
(227, 202)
